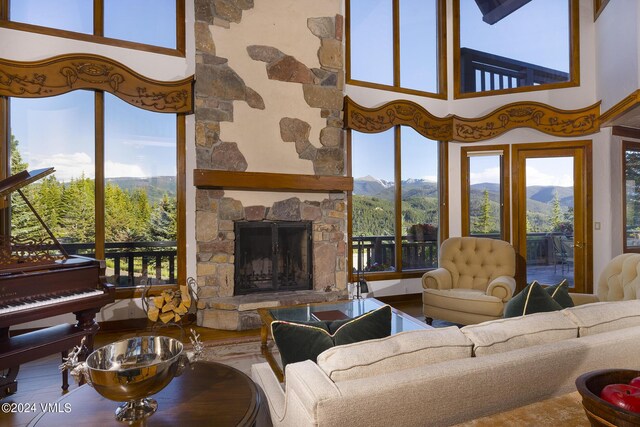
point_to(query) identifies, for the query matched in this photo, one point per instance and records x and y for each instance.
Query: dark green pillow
(560, 294)
(298, 341)
(532, 299)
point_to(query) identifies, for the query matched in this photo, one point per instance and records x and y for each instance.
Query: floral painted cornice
(62, 74)
(374, 120)
(534, 115)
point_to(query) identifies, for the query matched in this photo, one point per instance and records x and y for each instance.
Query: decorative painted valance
(534, 115)
(62, 74)
(374, 120)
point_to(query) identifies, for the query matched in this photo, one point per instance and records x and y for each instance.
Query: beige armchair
(474, 280)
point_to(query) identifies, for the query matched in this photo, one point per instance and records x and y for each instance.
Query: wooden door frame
(581, 151)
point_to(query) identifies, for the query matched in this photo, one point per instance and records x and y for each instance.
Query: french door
(552, 213)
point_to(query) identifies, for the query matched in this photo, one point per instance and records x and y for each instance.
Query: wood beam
(204, 178)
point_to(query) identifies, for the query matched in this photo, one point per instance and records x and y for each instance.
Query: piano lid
(25, 250)
(21, 179)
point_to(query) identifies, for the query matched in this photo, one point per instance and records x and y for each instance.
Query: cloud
(74, 165)
(68, 166)
(115, 170)
(536, 177)
(147, 141)
(487, 175)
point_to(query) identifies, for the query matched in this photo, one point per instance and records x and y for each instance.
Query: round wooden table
(210, 394)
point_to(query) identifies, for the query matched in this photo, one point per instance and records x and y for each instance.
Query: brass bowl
(599, 411)
(131, 370)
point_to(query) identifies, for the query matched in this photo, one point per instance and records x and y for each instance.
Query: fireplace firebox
(272, 256)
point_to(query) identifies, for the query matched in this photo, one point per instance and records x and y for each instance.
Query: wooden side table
(210, 394)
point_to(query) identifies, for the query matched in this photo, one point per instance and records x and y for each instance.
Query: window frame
(574, 58)
(98, 30)
(443, 214)
(627, 146)
(50, 68)
(441, 55)
(505, 220)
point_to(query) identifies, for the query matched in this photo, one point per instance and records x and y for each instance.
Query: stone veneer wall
(220, 87)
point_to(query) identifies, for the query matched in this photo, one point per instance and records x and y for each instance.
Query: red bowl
(599, 411)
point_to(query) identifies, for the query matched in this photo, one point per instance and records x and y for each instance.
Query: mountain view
(373, 206)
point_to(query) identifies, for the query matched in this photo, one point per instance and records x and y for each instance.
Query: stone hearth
(215, 215)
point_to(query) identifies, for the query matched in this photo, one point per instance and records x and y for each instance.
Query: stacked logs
(169, 305)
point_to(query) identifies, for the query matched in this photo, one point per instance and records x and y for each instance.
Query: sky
(138, 143)
(144, 21)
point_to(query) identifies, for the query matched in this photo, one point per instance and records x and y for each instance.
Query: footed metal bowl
(131, 370)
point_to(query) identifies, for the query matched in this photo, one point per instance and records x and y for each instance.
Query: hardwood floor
(39, 382)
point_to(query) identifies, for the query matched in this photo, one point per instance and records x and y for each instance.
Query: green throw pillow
(306, 340)
(560, 294)
(532, 299)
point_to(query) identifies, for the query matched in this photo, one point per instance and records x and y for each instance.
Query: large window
(515, 46)
(395, 203)
(631, 209)
(397, 45)
(154, 25)
(130, 217)
(485, 191)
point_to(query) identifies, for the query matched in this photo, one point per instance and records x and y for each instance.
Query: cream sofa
(445, 376)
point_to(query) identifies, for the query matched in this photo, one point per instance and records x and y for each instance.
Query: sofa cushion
(560, 294)
(298, 341)
(532, 299)
(601, 317)
(401, 351)
(498, 336)
(465, 300)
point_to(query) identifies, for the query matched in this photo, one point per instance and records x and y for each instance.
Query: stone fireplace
(268, 99)
(272, 256)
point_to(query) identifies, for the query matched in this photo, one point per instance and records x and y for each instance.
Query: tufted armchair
(474, 280)
(620, 279)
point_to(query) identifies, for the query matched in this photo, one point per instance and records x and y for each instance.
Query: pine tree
(556, 212)
(483, 224)
(78, 211)
(163, 225)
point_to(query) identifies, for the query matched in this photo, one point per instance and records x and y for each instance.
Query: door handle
(579, 245)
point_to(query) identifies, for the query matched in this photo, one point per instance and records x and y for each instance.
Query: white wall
(618, 51)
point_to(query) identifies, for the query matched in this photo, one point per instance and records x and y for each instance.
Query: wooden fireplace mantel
(205, 178)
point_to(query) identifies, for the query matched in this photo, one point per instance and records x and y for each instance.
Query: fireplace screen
(272, 256)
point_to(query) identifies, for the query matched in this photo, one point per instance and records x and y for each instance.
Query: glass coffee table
(400, 321)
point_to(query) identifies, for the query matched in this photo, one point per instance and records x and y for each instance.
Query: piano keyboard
(45, 300)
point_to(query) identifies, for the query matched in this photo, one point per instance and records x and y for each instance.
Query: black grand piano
(38, 279)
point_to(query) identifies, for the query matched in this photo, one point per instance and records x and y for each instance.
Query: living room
(348, 133)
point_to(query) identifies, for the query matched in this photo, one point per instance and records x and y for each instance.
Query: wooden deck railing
(378, 253)
(481, 71)
(134, 263)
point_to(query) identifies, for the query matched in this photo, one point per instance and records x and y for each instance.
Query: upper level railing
(482, 71)
(134, 263)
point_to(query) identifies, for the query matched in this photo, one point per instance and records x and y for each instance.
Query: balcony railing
(483, 71)
(377, 253)
(134, 263)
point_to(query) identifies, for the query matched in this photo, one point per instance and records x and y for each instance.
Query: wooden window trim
(441, 55)
(626, 146)
(585, 183)
(443, 214)
(97, 36)
(51, 69)
(505, 226)
(574, 59)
